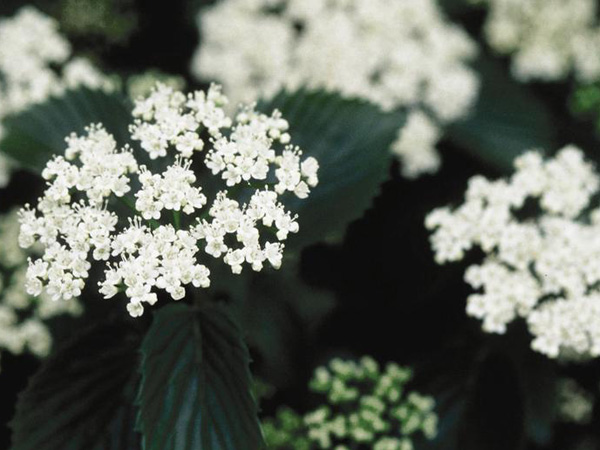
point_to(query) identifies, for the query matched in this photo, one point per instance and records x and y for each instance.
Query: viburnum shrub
(171, 225)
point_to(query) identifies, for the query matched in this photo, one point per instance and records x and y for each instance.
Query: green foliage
(196, 389)
(508, 398)
(280, 316)
(196, 385)
(32, 137)
(351, 140)
(537, 376)
(286, 431)
(586, 102)
(506, 121)
(82, 397)
(362, 406)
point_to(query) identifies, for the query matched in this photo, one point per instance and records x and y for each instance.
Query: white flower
(246, 155)
(395, 54)
(415, 146)
(74, 223)
(22, 317)
(544, 268)
(30, 49)
(81, 72)
(167, 117)
(172, 190)
(548, 39)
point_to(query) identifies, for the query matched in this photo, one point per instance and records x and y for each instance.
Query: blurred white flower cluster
(548, 39)
(541, 238)
(171, 219)
(363, 405)
(22, 317)
(575, 404)
(395, 54)
(35, 64)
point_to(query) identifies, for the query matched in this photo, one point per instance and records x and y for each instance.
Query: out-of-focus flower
(395, 54)
(548, 39)
(542, 246)
(22, 318)
(575, 404)
(35, 64)
(361, 405)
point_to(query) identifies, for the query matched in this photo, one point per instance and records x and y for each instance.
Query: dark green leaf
(351, 140)
(450, 410)
(506, 121)
(82, 398)
(501, 396)
(35, 135)
(281, 315)
(538, 384)
(196, 385)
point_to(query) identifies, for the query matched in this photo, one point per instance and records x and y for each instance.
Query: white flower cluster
(167, 118)
(172, 190)
(22, 317)
(151, 251)
(363, 405)
(548, 39)
(31, 48)
(162, 258)
(575, 404)
(395, 54)
(542, 245)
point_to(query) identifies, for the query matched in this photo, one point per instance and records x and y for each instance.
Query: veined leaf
(351, 140)
(196, 385)
(506, 121)
(82, 398)
(32, 137)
